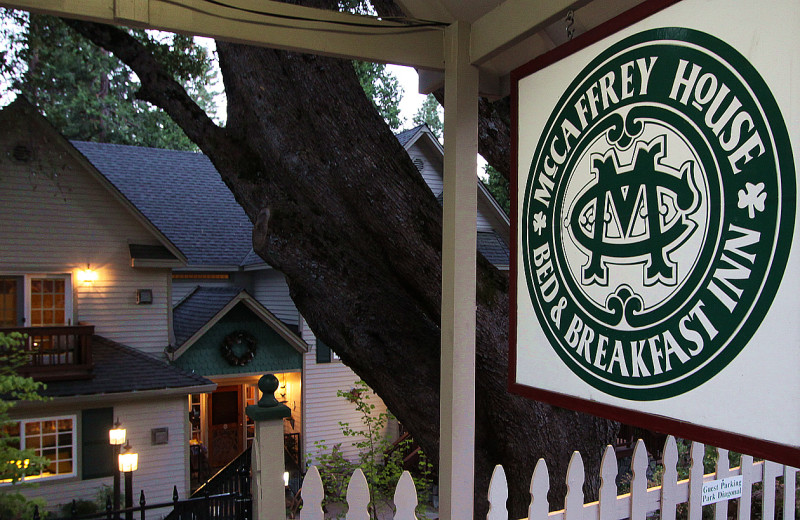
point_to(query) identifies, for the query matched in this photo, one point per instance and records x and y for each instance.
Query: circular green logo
(658, 214)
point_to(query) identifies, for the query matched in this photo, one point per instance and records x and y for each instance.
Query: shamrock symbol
(752, 199)
(539, 222)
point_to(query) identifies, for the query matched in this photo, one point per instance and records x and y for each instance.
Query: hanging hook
(570, 21)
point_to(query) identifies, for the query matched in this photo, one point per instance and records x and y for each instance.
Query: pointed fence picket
(636, 505)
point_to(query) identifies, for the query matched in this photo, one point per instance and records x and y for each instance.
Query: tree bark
(340, 209)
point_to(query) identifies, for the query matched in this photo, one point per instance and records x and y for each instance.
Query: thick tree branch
(341, 210)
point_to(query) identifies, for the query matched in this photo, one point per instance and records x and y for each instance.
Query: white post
(267, 467)
(457, 402)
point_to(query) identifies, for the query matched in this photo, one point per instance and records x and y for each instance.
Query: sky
(412, 99)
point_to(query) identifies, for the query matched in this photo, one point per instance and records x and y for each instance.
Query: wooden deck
(56, 353)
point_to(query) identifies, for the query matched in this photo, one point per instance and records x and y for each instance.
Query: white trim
(74, 447)
(260, 311)
(69, 294)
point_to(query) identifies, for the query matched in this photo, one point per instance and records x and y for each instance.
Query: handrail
(56, 352)
(227, 475)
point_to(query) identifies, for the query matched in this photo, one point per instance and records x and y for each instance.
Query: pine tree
(88, 94)
(430, 113)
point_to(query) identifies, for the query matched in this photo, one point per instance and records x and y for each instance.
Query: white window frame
(26, 283)
(73, 447)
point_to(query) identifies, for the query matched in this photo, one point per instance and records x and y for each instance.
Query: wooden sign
(656, 254)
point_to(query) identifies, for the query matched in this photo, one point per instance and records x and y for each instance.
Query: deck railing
(56, 353)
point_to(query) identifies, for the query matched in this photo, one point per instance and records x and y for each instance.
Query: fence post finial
(312, 493)
(405, 498)
(269, 502)
(498, 495)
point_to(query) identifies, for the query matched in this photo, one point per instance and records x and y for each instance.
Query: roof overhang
(503, 35)
(59, 403)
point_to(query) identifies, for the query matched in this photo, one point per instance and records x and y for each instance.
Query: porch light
(285, 478)
(128, 460)
(116, 435)
(87, 275)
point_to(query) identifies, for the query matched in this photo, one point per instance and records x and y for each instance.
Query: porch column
(269, 499)
(457, 405)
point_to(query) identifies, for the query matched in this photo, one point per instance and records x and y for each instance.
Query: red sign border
(773, 451)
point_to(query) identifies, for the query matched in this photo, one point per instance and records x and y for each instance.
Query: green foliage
(14, 462)
(383, 89)
(498, 186)
(89, 94)
(431, 113)
(381, 471)
(379, 85)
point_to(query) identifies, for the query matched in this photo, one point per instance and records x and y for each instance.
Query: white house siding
(432, 166)
(270, 289)
(63, 226)
(322, 408)
(160, 467)
(432, 172)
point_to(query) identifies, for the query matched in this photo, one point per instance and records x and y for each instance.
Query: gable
(272, 352)
(60, 218)
(183, 195)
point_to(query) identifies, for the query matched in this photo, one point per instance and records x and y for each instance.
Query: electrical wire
(411, 23)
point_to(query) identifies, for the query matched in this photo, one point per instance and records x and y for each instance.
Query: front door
(225, 425)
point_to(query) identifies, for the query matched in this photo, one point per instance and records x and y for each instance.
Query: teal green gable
(273, 353)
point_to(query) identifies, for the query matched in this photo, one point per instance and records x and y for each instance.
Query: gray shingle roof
(405, 136)
(197, 309)
(492, 247)
(182, 194)
(118, 368)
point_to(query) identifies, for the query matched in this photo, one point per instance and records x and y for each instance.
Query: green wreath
(234, 339)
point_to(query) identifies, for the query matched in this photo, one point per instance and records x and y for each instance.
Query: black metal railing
(234, 505)
(228, 479)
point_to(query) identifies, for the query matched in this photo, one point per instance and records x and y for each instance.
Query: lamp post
(116, 437)
(128, 463)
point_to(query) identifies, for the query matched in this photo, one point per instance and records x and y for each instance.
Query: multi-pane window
(35, 300)
(251, 397)
(195, 415)
(48, 301)
(51, 438)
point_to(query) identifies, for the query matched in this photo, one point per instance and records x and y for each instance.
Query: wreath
(235, 339)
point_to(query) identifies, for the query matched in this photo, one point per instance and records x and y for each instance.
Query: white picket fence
(636, 505)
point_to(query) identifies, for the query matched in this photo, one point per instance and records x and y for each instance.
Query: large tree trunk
(340, 209)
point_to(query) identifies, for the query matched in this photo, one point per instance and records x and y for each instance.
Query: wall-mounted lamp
(285, 478)
(87, 275)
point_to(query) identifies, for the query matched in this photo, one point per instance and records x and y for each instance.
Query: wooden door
(225, 425)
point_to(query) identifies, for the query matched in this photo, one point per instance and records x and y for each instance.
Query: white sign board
(656, 258)
(722, 489)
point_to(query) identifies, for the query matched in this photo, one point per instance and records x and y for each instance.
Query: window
(251, 397)
(324, 353)
(52, 438)
(35, 300)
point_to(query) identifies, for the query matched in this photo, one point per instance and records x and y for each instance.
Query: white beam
(457, 405)
(286, 26)
(511, 22)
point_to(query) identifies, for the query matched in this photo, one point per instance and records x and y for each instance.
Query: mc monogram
(658, 213)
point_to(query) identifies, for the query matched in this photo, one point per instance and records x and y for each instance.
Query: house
(87, 276)
(185, 292)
